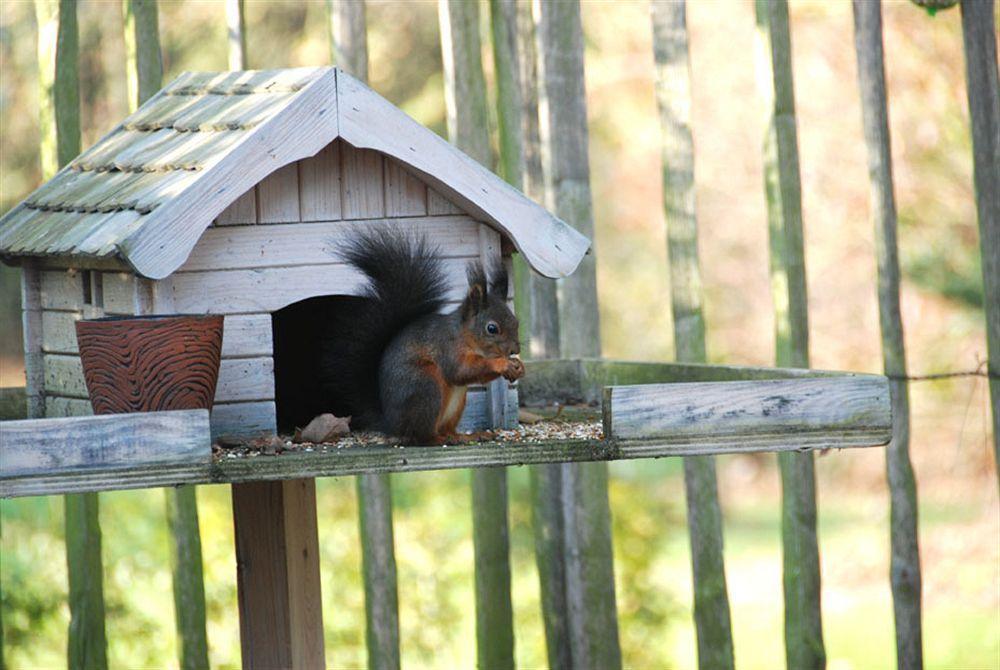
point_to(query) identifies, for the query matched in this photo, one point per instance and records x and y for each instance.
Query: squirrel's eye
(492, 328)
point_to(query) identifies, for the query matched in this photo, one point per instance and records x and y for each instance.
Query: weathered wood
(564, 142)
(243, 419)
(247, 335)
(61, 289)
(369, 121)
(905, 561)
(979, 35)
(362, 179)
(236, 35)
(544, 315)
(437, 204)
(248, 247)
(278, 196)
(673, 96)
(243, 210)
(357, 460)
(378, 566)
(188, 579)
(56, 406)
(119, 292)
(319, 185)
(144, 70)
(64, 376)
(270, 289)
(245, 379)
(277, 571)
(87, 645)
(35, 446)
(33, 329)
(800, 550)
(583, 380)
(468, 129)
(776, 410)
(405, 195)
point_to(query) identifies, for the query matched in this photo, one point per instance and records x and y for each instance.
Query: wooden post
(277, 572)
(544, 314)
(980, 39)
(803, 623)
(348, 37)
(589, 567)
(905, 569)
(236, 35)
(673, 95)
(145, 74)
(59, 114)
(468, 129)
(503, 24)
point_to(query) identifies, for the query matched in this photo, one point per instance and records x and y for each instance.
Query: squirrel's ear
(475, 299)
(499, 282)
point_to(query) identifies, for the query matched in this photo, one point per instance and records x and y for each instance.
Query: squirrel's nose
(515, 349)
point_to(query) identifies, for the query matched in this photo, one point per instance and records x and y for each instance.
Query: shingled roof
(147, 190)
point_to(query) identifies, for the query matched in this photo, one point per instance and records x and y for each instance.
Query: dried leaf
(323, 428)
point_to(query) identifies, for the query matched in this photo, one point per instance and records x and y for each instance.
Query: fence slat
(905, 562)
(468, 129)
(800, 550)
(59, 116)
(980, 39)
(349, 46)
(590, 589)
(673, 95)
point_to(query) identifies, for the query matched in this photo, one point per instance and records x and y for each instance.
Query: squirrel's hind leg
(413, 415)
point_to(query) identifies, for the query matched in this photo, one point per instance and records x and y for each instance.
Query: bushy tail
(405, 283)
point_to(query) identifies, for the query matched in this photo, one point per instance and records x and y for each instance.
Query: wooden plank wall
(246, 270)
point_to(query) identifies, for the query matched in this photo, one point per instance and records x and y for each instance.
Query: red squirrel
(401, 366)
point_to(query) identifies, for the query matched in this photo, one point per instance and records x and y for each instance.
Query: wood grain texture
(905, 575)
(33, 332)
(405, 195)
(704, 516)
(278, 196)
(317, 243)
(36, 446)
(979, 37)
(773, 409)
(245, 379)
(119, 292)
(345, 462)
(319, 185)
(277, 559)
(243, 210)
(243, 419)
(134, 365)
(246, 335)
(362, 183)
(61, 289)
(437, 204)
(64, 376)
(368, 120)
(270, 289)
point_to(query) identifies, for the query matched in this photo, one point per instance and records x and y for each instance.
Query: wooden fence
(570, 504)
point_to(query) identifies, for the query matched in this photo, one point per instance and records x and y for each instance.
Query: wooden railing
(679, 410)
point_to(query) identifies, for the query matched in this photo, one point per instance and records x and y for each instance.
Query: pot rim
(150, 317)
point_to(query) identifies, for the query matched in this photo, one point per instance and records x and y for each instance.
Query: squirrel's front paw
(514, 369)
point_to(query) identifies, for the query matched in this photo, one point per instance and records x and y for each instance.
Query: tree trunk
(237, 35)
(673, 94)
(468, 129)
(592, 621)
(803, 622)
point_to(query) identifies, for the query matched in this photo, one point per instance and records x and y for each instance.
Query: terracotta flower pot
(150, 363)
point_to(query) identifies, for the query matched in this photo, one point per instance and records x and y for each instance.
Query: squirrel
(399, 365)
